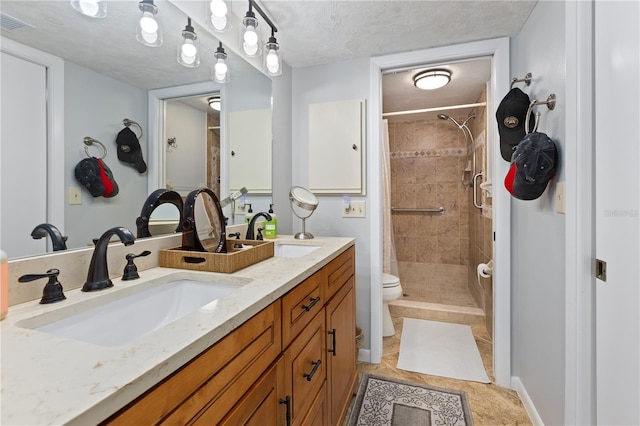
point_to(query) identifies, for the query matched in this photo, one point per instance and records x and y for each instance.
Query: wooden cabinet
(293, 363)
(341, 351)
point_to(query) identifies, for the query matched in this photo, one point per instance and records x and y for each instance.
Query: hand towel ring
(88, 141)
(550, 103)
(128, 123)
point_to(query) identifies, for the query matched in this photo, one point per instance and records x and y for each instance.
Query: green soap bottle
(271, 226)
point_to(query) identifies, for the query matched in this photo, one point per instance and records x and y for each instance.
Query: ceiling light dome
(432, 79)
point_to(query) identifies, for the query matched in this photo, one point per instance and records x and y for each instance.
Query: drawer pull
(312, 304)
(316, 365)
(287, 402)
(333, 338)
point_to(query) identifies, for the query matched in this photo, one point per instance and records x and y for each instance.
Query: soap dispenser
(271, 226)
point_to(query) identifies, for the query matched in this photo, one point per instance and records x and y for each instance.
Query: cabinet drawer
(215, 379)
(305, 368)
(339, 270)
(261, 405)
(300, 305)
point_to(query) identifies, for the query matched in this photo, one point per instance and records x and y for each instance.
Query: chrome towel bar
(439, 210)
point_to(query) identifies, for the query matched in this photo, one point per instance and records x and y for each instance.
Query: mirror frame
(155, 151)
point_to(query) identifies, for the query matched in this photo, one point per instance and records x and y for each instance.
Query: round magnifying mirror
(204, 228)
(303, 203)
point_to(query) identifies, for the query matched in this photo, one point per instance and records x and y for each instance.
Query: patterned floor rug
(385, 401)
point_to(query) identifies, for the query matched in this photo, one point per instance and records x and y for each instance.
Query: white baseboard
(518, 386)
(364, 355)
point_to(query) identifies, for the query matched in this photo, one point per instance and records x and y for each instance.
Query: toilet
(391, 290)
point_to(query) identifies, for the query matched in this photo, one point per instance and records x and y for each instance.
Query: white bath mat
(440, 349)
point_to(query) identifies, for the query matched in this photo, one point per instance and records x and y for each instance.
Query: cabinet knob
(233, 153)
(354, 147)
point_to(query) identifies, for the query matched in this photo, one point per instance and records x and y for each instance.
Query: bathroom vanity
(278, 349)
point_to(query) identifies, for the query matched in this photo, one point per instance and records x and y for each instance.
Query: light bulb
(218, 8)
(188, 52)
(250, 36)
(150, 38)
(221, 67)
(148, 23)
(273, 64)
(89, 7)
(219, 23)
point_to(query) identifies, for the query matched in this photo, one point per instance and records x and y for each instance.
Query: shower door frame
(498, 51)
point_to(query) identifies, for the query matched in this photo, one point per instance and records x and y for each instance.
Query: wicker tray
(227, 263)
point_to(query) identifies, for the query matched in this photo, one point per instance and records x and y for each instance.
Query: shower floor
(436, 283)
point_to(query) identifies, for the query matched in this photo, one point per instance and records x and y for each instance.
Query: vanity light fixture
(188, 52)
(432, 79)
(91, 8)
(272, 62)
(218, 10)
(214, 102)
(220, 72)
(149, 31)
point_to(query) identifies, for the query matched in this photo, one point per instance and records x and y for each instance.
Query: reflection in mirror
(101, 61)
(203, 224)
(161, 214)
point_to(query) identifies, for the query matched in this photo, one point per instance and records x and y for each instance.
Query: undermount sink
(293, 250)
(125, 320)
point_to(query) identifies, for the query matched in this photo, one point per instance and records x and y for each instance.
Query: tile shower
(438, 253)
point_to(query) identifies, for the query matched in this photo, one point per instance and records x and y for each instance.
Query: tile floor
(490, 404)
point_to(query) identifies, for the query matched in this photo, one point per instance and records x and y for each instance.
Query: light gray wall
(95, 106)
(538, 232)
(282, 160)
(345, 80)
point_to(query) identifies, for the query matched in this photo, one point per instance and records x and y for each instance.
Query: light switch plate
(560, 198)
(75, 195)
(356, 209)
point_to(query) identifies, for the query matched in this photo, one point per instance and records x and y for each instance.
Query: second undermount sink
(293, 250)
(125, 320)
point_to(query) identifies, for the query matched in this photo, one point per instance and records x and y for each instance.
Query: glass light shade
(149, 30)
(272, 61)
(188, 52)
(91, 8)
(218, 10)
(215, 103)
(432, 79)
(250, 40)
(220, 71)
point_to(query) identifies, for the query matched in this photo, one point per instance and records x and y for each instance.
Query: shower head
(443, 116)
(447, 117)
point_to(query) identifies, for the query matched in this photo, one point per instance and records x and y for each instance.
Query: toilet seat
(389, 281)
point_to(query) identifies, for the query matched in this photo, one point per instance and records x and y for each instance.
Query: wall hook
(527, 80)
(550, 103)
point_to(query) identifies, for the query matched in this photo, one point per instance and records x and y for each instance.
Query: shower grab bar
(475, 190)
(440, 210)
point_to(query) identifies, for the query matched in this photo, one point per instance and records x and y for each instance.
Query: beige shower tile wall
(427, 160)
(480, 226)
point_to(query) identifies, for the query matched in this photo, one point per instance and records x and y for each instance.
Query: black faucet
(98, 276)
(58, 241)
(52, 291)
(249, 235)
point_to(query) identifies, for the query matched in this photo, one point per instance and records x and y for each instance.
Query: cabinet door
(341, 350)
(318, 413)
(305, 368)
(250, 150)
(336, 147)
(262, 404)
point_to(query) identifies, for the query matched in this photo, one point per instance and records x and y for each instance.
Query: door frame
(498, 50)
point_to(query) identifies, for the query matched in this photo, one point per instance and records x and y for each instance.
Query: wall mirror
(108, 76)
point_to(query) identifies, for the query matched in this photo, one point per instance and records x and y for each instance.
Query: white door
(23, 155)
(617, 93)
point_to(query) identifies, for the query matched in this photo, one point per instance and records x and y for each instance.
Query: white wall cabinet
(249, 138)
(336, 147)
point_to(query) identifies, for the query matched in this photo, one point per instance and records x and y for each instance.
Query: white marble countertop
(48, 379)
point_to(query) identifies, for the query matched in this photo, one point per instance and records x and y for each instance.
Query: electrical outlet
(75, 195)
(560, 198)
(356, 209)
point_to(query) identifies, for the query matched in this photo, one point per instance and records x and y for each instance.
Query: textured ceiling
(310, 32)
